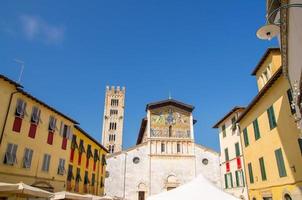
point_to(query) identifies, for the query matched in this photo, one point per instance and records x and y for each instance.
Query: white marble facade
(159, 163)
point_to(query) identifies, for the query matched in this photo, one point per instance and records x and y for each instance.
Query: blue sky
(201, 51)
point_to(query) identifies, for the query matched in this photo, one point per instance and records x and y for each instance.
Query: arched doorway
(142, 190)
(287, 197)
(171, 182)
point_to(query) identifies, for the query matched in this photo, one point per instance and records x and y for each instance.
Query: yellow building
(35, 139)
(86, 170)
(271, 144)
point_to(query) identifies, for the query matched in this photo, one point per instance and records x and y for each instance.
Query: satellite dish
(268, 31)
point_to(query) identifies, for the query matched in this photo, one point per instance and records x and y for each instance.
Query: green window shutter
(230, 174)
(256, 129)
(250, 172)
(245, 137)
(280, 163)
(237, 149)
(242, 175)
(223, 130)
(226, 181)
(226, 153)
(237, 178)
(290, 100)
(271, 117)
(262, 168)
(300, 144)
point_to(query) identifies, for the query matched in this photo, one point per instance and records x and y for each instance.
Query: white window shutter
(69, 134)
(61, 128)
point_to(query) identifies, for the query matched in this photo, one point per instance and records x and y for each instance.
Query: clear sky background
(203, 52)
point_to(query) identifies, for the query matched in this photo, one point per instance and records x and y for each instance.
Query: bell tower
(113, 120)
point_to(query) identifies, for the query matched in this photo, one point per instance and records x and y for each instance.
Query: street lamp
(272, 29)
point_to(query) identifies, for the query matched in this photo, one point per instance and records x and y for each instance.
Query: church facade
(165, 155)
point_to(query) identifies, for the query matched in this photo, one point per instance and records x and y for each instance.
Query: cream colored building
(231, 158)
(113, 120)
(165, 155)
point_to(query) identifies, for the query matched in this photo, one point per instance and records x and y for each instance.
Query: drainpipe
(6, 116)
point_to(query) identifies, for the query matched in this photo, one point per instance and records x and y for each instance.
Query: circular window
(205, 161)
(135, 160)
(107, 174)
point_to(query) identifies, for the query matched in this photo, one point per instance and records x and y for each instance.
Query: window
(103, 160)
(205, 161)
(233, 124)
(35, 115)
(20, 108)
(101, 182)
(28, 154)
(10, 157)
(271, 117)
(162, 147)
(300, 144)
(280, 163)
(46, 162)
(112, 126)
(237, 149)
(262, 169)
(245, 138)
(239, 178)
(89, 154)
(290, 100)
(52, 124)
(170, 131)
(256, 129)
(113, 112)
(86, 179)
(61, 167)
(136, 160)
(92, 179)
(78, 175)
(287, 197)
(96, 158)
(266, 75)
(141, 195)
(114, 102)
(111, 149)
(233, 120)
(250, 169)
(223, 130)
(228, 180)
(65, 132)
(178, 148)
(50, 137)
(70, 174)
(111, 137)
(226, 154)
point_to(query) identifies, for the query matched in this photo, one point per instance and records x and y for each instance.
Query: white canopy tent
(70, 195)
(197, 189)
(21, 189)
(74, 196)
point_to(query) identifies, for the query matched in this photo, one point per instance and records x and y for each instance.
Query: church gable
(170, 121)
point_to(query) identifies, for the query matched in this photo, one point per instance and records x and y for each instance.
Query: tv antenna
(21, 63)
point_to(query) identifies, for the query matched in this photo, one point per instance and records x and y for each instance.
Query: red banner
(227, 164)
(238, 163)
